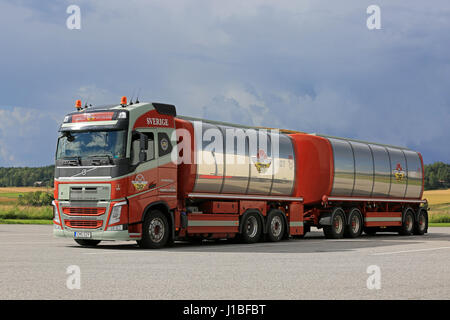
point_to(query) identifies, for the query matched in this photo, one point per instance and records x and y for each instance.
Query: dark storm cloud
(310, 65)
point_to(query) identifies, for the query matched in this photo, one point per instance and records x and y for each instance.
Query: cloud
(310, 66)
(24, 134)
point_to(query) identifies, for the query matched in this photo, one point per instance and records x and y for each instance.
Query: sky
(312, 66)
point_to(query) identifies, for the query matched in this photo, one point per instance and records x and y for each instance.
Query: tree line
(437, 176)
(27, 176)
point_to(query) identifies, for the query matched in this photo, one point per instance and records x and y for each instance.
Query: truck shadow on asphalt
(313, 242)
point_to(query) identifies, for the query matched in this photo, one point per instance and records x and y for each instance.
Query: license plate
(83, 234)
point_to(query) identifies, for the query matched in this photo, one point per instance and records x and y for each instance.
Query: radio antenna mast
(137, 97)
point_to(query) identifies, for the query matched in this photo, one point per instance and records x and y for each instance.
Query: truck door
(143, 183)
(167, 170)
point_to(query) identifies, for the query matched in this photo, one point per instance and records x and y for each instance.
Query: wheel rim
(408, 222)
(252, 226)
(276, 226)
(337, 222)
(356, 224)
(156, 230)
(422, 222)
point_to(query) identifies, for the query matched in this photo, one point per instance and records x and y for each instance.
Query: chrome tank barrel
(239, 160)
(372, 170)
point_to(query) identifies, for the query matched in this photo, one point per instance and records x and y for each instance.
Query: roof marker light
(78, 105)
(123, 101)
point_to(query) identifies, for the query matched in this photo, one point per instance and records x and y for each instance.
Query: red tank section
(314, 167)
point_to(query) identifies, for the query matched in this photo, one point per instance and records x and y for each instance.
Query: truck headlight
(116, 212)
(55, 213)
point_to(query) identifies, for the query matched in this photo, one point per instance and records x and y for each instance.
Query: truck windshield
(91, 143)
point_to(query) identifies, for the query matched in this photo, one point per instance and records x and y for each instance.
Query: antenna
(137, 97)
(86, 104)
(131, 100)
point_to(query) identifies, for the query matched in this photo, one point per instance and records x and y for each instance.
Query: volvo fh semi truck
(140, 172)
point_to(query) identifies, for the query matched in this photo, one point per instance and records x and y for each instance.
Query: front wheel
(155, 231)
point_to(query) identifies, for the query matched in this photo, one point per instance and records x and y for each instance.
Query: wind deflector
(166, 109)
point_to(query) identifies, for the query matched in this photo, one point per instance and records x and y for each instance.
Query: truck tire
(337, 227)
(408, 223)
(275, 226)
(252, 228)
(421, 223)
(87, 242)
(355, 224)
(155, 231)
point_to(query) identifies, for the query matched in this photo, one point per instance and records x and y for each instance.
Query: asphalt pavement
(35, 265)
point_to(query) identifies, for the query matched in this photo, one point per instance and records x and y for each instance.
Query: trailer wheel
(355, 224)
(337, 227)
(276, 226)
(155, 231)
(421, 224)
(252, 228)
(87, 242)
(408, 223)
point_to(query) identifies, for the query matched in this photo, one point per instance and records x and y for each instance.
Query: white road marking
(407, 251)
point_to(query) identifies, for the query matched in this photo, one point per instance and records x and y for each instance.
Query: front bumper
(92, 217)
(98, 234)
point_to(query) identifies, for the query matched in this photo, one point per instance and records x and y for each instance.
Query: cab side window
(151, 146)
(136, 145)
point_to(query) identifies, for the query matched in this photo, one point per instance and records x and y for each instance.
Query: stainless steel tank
(241, 160)
(364, 169)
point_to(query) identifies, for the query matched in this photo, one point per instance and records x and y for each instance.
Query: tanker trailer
(345, 186)
(141, 172)
(350, 186)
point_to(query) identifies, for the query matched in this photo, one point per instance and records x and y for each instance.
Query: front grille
(73, 211)
(85, 224)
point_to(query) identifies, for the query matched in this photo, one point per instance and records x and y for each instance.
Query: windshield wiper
(72, 160)
(101, 156)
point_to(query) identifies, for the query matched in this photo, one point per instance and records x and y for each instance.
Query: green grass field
(11, 212)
